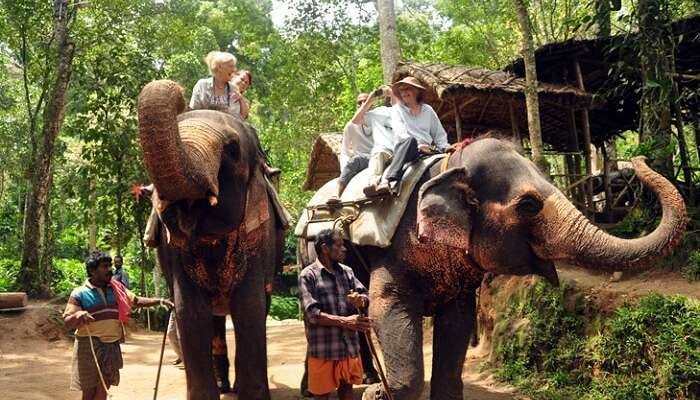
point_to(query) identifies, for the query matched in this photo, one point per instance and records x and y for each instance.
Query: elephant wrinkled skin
(490, 211)
(206, 168)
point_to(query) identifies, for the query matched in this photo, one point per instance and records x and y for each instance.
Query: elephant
(489, 210)
(206, 168)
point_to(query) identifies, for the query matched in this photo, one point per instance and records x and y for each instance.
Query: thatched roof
(597, 57)
(484, 100)
(324, 164)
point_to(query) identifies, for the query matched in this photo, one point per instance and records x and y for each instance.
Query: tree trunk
(47, 247)
(62, 51)
(120, 221)
(655, 46)
(531, 98)
(388, 38)
(92, 225)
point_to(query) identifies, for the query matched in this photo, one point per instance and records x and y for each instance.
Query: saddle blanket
(374, 221)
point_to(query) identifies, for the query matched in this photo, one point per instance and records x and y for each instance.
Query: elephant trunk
(563, 233)
(181, 165)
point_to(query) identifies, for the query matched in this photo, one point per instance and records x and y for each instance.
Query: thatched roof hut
(592, 61)
(488, 100)
(324, 163)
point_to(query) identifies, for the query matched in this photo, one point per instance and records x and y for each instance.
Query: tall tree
(61, 51)
(531, 98)
(388, 38)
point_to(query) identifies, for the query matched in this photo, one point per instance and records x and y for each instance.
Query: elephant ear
(446, 208)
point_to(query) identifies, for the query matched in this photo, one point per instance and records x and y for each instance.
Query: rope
(97, 363)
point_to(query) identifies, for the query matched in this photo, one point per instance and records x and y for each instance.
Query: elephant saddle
(369, 222)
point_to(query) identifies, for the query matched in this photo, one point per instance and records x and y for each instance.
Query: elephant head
(199, 162)
(496, 205)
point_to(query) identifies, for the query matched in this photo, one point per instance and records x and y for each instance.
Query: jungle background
(66, 189)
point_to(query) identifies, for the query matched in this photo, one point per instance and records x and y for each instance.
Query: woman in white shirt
(417, 130)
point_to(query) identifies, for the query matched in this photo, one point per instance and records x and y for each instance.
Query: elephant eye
(529, 204)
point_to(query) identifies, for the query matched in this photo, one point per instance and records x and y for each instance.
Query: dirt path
(34, 369)
(664, 282)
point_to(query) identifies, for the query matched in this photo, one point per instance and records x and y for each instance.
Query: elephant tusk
(213, 201)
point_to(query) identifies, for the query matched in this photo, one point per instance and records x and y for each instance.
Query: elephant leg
(193, 313)
(397, 312)
(248, 314)
(219, 351)
(453, 324)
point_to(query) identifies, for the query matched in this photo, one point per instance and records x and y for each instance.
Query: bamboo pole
(586, 130)
(576, 192)
(513, 121)
(458, 121)
(682, 145)
(606, 185)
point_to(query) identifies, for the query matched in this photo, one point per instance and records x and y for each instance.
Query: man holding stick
(330, 295)
(98, 310)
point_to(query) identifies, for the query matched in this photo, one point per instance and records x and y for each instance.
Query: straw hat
(409, 80)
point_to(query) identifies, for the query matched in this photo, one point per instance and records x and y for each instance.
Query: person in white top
(417, 130)
(367, 138)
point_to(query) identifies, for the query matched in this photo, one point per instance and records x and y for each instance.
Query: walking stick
(160, 362)
(375, 356)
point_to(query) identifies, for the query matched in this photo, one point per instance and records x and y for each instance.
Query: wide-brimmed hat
(409, 80)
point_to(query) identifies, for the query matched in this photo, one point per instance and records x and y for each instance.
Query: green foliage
(542, 335)
(648, 350)
(9, 269)
(67, 274)
(692, 271)
(284, 307)
(653, 348)
(639, 221)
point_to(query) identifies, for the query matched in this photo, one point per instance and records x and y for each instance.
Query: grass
(646, 350)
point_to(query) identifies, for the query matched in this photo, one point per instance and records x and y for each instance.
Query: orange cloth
(325, 375)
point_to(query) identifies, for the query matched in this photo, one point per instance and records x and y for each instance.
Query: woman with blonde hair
(217, 92)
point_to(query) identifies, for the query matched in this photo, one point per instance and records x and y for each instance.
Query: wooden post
(606, 185)
(682, 145)
(586, 130)
(458, 121)
(578, 194)
(513, 121)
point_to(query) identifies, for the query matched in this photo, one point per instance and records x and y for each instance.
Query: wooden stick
(160, 361)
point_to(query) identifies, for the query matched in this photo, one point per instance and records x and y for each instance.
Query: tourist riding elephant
(491, 210)
(217, 232)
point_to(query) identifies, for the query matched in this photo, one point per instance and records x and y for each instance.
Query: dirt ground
(32, 368)
(35, 360)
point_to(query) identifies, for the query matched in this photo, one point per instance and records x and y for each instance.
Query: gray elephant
(217, 234)
(491, 210)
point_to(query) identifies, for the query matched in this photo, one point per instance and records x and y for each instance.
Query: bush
(9, 269)
(649, 350)
(652, 348)
(284, 307)
(67, 274)
(692, 269)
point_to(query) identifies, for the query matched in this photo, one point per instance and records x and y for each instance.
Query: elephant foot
(374, 392)
(224, 386)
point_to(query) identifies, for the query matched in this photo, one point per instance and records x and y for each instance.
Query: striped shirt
(321, 290)
(102, 305)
